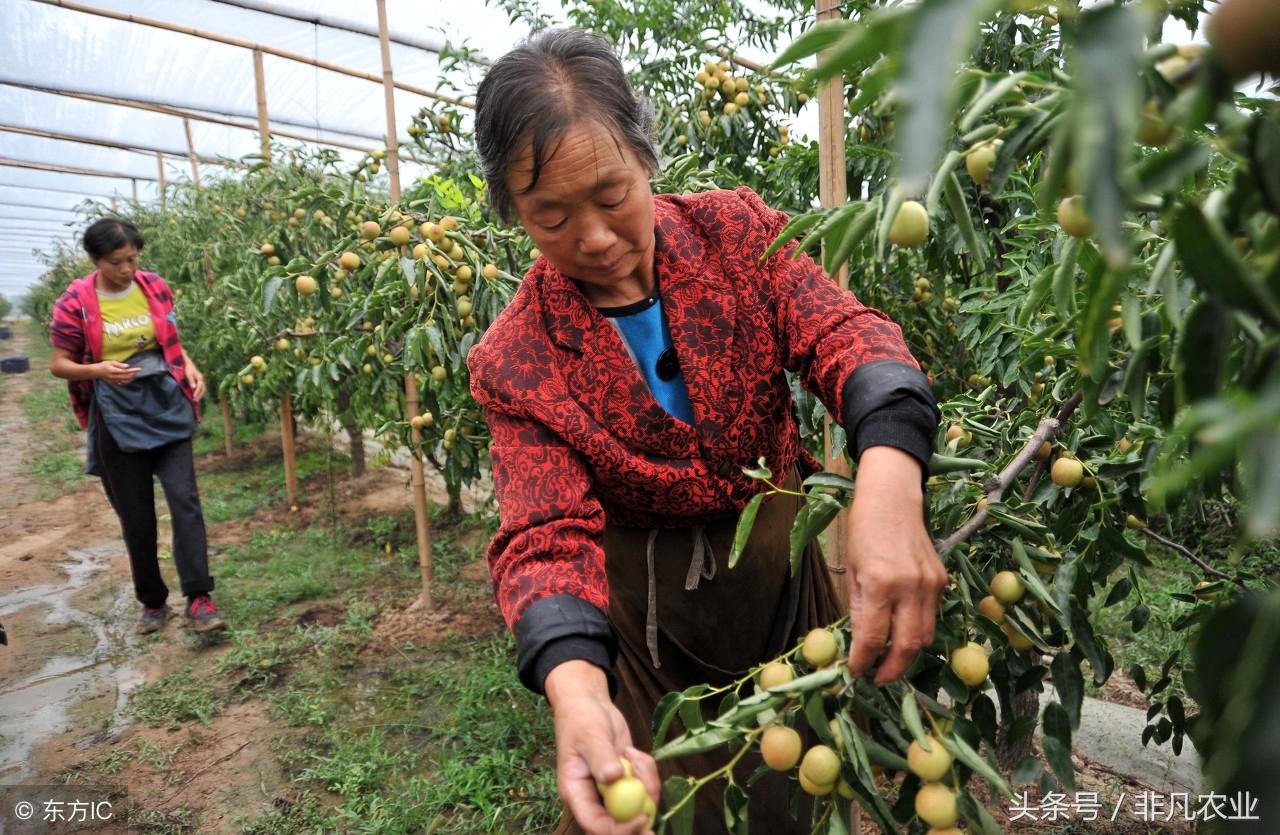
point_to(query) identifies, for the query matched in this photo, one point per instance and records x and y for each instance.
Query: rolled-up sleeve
(546, 560)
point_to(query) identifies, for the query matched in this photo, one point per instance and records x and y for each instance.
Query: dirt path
(67, 604)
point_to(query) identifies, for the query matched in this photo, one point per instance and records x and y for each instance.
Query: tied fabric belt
(702, 566)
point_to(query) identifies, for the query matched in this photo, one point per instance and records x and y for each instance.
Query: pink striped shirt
(77, 329)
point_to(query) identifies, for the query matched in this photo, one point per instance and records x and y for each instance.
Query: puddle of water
(39, 705)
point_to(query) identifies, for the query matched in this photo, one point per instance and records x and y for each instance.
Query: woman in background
(135, 389)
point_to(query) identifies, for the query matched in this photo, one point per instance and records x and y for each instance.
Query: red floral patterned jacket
(577, 436)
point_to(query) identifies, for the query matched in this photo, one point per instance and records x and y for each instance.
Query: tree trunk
(1026, 703)
(354, 436)
(455, 503)
(355, 439)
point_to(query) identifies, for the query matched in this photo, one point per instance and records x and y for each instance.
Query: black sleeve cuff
(889, 403)
(563, 628)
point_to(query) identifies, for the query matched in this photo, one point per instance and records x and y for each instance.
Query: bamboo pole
(226, 427)
(132, 147)
(286, 444)
(160, 168)
(191, 154)
(153, 106)
(76, 191)
(243, 44)
(135, 189)
(36, 206)
(195, 179)
(421, 518)
(331, 22)
(833, 192)
(264, 124)
(69, 169)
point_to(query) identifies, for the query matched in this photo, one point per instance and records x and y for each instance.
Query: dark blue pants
(126, 477)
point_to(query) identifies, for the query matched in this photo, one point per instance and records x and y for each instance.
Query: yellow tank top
(126, 323)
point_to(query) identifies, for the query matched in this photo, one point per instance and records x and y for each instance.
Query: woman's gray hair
(539, 90)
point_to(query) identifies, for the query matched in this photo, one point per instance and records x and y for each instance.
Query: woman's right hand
(591, 739)
(116, 373)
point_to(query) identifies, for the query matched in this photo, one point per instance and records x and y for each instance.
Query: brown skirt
(714, 633)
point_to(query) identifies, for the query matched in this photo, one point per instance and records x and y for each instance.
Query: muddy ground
(72, 661)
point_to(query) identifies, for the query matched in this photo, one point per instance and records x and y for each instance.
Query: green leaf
(666, 711)
(1032, 578)
(709, 737)
(674, 790)
(812, 681)
(269, 291)
(1202, 351)
(1027, 771)
(962, 751)
(1092, 335)
(941, 35)
(911, 718)
(852, 235)
(941, 464)
(976, 815)
(746, 521)
(1037, 292)
(1263, 517)
(1217, 268)
(735, 809)
(829, 221)
(863, 41)
(1165, 171)
(864, 786)
(948, 164)
(1069, 684)
(819, 510)
(823, 35)
(1057, 744)
(794, 228)
(1105, 62)
(1264, 153)
(832, 480)
(890, 203)
(953, 195)
(988, 97)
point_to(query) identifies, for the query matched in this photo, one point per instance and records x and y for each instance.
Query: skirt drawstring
(651, 616)
(702, 566)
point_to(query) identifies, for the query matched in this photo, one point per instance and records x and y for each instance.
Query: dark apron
(714, 633)
(148, 413)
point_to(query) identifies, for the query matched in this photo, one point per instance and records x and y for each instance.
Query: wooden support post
(286, 443)
(160, 169)
(227, 428)
(135, 189)
(421, 515)
(114, 206)
(264, 127)
(191, 151)
(833, 192)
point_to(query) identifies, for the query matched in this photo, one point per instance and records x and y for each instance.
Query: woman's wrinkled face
(118, 267)
(591, 212)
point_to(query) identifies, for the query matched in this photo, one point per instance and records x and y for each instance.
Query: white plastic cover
(46, 46)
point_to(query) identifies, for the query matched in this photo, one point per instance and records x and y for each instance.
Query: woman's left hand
(895, 576)
(196, 379)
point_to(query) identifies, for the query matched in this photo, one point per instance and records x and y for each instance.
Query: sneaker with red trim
(202, 615)
(152, 620)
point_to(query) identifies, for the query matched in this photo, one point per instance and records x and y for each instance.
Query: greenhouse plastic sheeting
(53, 47)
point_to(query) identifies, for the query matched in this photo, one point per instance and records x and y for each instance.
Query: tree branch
(1186, 552)
(995, 486)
